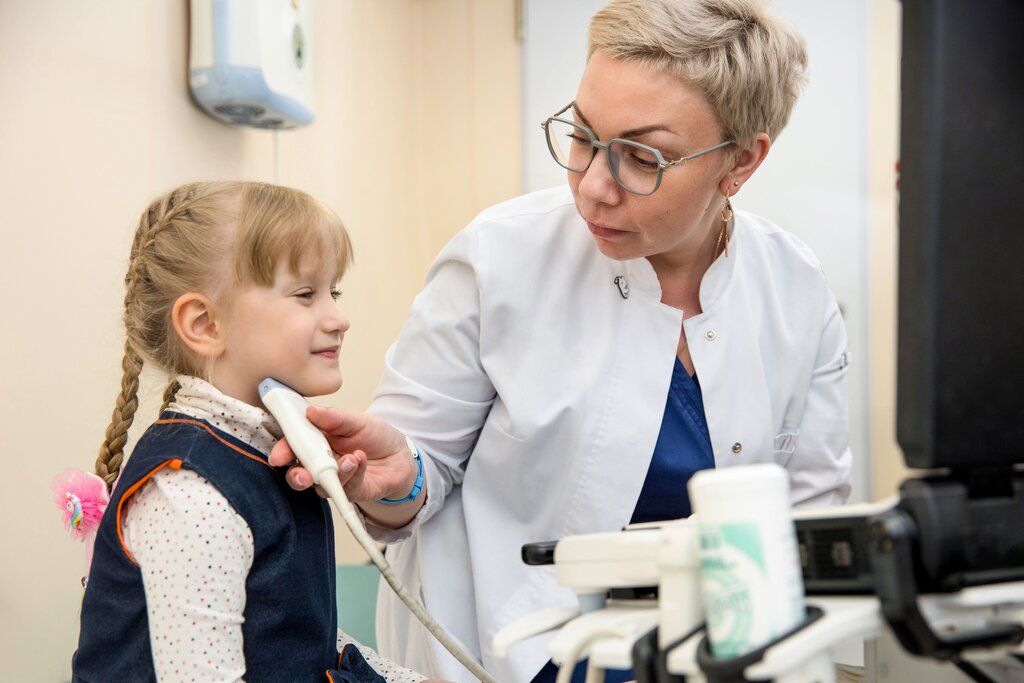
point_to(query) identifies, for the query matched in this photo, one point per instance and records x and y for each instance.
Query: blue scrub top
(684, 447)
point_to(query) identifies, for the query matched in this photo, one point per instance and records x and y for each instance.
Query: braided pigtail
(169, 256)
(111, 455)
(169, 393)
(108, 463)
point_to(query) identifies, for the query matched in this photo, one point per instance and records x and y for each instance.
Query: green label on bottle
(734, 582)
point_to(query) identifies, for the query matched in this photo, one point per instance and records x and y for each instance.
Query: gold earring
(726, 217)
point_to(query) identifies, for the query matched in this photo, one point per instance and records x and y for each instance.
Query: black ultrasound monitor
(960, 366)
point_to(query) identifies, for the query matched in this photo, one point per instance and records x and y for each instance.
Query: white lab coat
(536, 391)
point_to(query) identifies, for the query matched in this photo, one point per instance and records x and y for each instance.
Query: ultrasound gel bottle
(750, 576)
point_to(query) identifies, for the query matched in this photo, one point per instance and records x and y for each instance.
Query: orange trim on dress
(214, 434)
(175, 464)
(341, 654)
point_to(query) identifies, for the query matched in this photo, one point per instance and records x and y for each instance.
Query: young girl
(207, 565)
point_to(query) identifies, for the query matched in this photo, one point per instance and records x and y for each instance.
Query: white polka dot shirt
(195, 552)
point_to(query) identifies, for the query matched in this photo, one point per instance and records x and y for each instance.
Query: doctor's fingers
(349, 466)
(337, 422)
(281, 454)
(362, 484)
(299, 478)
(348, 431)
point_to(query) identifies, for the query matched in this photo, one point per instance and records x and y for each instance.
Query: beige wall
(417, 129)
(887, 468)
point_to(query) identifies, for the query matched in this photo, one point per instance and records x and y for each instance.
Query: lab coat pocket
(785, 446)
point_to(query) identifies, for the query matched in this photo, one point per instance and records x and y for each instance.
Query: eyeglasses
(637, 168)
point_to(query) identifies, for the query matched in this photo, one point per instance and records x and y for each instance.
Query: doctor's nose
(597, 183)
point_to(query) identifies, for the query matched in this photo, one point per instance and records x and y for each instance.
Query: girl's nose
(335, 319)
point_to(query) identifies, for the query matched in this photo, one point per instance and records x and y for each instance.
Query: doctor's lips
(605, 231)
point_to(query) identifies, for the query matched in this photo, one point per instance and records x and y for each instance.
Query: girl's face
(291, 331)
(626, 99)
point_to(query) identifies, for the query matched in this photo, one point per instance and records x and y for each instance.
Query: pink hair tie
(82, 497)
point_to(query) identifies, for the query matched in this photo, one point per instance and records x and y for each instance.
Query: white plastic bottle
(751, 582)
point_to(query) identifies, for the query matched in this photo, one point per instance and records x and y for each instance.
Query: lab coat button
(710, 335)
(737, 447)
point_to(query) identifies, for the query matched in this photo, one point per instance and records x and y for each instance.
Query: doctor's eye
(639, 158)
(578, 139)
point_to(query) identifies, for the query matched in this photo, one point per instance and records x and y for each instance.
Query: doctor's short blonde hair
(749, 62)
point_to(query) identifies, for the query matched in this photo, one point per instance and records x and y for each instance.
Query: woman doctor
(577, 354)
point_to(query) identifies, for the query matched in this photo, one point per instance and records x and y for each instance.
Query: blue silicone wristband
(417, 485)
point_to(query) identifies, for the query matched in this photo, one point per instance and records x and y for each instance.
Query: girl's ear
(747, 161)
(195, 321)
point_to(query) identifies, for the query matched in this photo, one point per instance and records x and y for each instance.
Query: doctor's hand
(373, 462)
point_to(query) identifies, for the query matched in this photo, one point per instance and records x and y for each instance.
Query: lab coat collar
(719, 274)
(643, 279)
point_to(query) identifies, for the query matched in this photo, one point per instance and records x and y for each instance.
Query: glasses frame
(596, 144)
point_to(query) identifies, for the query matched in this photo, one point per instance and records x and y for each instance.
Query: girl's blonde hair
(207, 237)
(748, 62)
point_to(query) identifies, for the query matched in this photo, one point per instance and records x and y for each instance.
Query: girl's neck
(200, 399)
